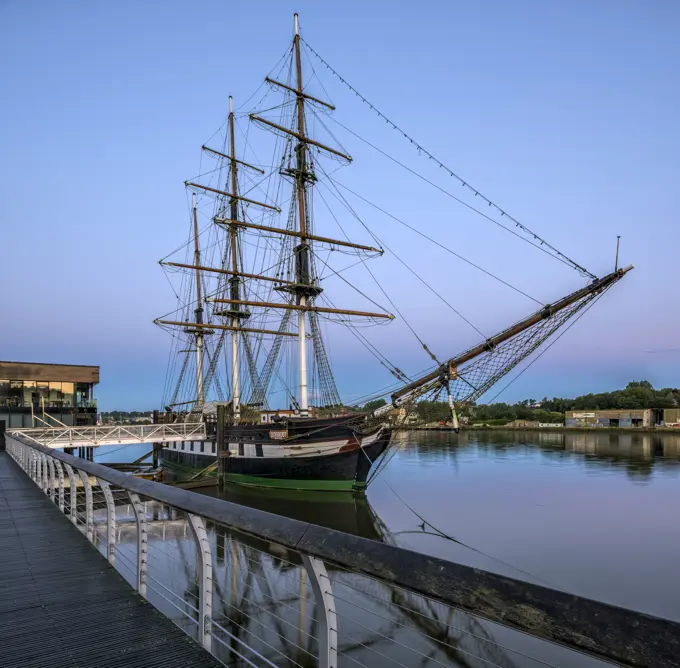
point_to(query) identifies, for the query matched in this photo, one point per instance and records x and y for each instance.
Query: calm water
(595, 514)
(592, 513)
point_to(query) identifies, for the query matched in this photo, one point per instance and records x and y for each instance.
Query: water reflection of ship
(263, 597)
(342, 511)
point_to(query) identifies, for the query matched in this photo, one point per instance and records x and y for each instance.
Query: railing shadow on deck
(257, 589)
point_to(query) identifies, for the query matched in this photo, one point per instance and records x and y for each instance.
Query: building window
(82, 395)
(4, 392)
(16, 392)
(29, 391)
(67, 394)
(43, 390)
(55, 395)
(191, 446)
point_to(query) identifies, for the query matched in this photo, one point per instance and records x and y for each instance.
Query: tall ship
(253, 310)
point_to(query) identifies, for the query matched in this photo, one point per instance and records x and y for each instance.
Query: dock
(62, 604)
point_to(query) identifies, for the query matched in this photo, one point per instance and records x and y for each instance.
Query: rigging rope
(394, 306)
(549, 346)
(557, 254)
(437, 243)
(342, 199)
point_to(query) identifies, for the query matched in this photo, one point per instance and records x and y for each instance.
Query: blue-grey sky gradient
(565, 113)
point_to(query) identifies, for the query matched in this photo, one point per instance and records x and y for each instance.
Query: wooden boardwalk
(63, 605)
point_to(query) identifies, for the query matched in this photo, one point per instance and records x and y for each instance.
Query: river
(594, 514)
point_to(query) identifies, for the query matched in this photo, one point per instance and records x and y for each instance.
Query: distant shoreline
(586, 430)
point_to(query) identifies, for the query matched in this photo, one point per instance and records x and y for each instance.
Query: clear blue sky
(566, 113)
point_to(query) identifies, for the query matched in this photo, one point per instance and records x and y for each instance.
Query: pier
(257, 589)
(62, 604)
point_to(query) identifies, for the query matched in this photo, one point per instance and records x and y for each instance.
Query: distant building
(145, 419)
(615, 418)
(523, 423)
(32, 392)
(671, 417)
(402, 416)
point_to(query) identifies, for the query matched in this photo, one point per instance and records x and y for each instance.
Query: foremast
(199, 331)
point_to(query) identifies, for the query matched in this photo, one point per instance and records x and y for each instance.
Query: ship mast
(234, 280)
(299, 283)
(302, 251)
(198, 332)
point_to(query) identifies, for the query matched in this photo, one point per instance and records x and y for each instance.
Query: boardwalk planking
(62, 604)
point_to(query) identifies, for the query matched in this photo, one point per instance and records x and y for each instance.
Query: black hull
(338, 471)
(344, 468)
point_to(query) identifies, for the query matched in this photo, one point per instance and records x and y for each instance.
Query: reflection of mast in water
(450, 629)
(342, 511)
(262, 599)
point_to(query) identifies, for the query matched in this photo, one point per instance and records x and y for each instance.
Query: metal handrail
(606, 631)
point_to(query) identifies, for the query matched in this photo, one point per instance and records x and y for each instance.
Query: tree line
(638, 394)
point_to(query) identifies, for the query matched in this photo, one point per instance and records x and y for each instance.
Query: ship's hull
(314, 456)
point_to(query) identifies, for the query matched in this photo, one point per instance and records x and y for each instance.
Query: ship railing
(65, 437)
(258, 589)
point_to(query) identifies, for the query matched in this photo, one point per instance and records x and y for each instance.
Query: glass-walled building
(31, 393)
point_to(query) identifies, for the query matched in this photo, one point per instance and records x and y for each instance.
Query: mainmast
(234, 280)
(198, 332)
(302, 251)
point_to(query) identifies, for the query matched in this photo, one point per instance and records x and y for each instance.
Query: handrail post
(73, 493)
(142, 542)
(52, 490)
(325, 610)
(205, 580)
(60, 476)
(43, 473)
(110, 521)
(89, 509)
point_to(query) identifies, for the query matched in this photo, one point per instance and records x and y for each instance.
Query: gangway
(70, 437)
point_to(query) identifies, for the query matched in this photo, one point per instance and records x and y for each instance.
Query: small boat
(249, 328)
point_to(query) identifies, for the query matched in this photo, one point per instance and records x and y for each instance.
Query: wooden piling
(219, 444)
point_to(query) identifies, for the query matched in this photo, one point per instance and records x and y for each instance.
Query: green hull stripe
(287, 483)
